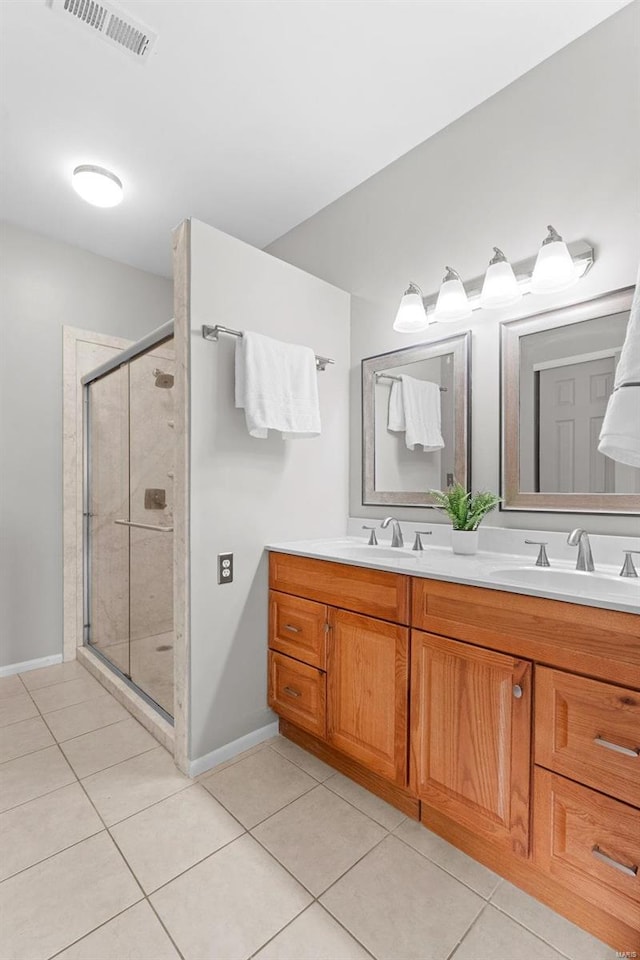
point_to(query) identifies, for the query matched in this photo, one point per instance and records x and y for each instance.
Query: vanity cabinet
(508, 724)
(470, 737)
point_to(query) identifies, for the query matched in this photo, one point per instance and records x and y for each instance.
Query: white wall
(44, 285)
(561, 145)
(247, 492)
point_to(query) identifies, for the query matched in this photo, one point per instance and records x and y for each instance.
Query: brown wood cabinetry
(590, 843)
(368, 685)
(423, 692)
(589, 731)
(470, 735)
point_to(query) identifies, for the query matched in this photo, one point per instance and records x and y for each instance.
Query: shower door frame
(123, 359)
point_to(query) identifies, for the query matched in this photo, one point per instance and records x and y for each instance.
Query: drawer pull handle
(627, 751)
(610, 862)
(291, 692)
(290, 626)
(517, 691)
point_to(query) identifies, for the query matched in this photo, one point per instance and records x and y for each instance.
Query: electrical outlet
(449, 479)
(225, 568)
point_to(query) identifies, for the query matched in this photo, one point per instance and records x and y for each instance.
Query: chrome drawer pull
(610, 862)
(289, 626)
(627, 751)
(292, 692)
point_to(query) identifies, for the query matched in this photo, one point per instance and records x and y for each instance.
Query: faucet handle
(628, 568)
(373, 540)
(543, 559)
(417, 543)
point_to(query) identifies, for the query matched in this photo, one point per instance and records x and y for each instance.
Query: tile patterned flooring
(107, 852)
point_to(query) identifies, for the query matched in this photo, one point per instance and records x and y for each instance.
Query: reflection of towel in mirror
(277, 385)
(620, 433)
(414, 406)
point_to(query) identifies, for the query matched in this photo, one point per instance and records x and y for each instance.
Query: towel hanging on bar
(213, 333)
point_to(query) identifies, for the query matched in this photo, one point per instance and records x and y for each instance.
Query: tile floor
(107, 852)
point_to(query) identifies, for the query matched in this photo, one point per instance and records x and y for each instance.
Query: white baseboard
(230, 750)
(12, 668)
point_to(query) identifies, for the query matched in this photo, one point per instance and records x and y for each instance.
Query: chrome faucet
(396, 537)
(580, 538)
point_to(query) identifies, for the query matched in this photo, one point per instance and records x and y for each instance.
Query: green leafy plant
(465, 511)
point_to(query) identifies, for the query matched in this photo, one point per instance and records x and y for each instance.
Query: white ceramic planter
(464, 541)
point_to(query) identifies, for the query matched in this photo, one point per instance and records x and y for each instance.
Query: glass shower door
(151, 464)
(130, 466)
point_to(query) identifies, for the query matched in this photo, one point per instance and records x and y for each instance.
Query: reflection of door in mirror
(572, 402)
(566, 378)
(398, 468)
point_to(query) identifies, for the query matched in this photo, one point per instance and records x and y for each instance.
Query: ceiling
(251, 115)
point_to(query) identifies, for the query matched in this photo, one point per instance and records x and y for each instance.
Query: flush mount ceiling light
(452, 303)
(500, 287)
(97, 185)
(554, 269)
(557, 266)
(411, 316)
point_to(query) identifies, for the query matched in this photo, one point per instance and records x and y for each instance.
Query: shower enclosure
(129, 455)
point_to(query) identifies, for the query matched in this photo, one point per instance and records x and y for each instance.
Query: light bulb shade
(97, 186)
(554, 269)
(452, 303)
(500, 287)
(411, 316)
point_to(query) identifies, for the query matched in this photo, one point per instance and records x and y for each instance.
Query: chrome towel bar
(213, 333)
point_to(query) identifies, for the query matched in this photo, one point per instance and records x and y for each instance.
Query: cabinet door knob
(291, 692)
(517, 691)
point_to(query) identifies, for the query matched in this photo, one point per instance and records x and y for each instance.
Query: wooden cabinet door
(470, 737)
(368, 692)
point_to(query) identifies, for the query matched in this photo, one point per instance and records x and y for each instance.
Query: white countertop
(495, 571)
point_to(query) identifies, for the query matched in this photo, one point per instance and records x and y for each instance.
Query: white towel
(620, 433)
(414, 406)
(277, 386)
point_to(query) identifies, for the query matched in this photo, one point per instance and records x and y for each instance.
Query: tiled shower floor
(109, 853)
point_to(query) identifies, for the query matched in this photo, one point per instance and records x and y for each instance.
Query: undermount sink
(572, 581)
(364, 551)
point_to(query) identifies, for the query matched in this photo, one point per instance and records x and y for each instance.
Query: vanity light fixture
(557, 266)
(452, 303)
(411, 316)
(97, 186)
(554, 269)
(500, 287)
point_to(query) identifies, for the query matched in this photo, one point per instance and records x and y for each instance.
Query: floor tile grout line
(50, 856)
(111, 765)
(360, 810)
(435, 863)
(538, 936)
(461, 940)
(196, 863)
(100, 925)
(112, 723)
(345, 872)
(149, 805)
(297, 917)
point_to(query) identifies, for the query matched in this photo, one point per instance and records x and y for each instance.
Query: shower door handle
(144, 526)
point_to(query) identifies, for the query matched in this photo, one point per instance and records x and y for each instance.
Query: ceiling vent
(111, 24)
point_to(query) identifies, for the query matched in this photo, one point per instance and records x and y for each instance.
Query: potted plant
(466, 512)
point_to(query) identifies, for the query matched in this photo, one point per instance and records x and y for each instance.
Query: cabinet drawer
(298, 628)
(590, 843)
(589, 731)
(363, 590)
(298, 693)
(559, 634)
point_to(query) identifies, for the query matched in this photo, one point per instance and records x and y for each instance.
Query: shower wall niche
(129, 542)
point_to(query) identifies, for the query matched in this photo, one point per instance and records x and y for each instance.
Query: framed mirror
(557, 373)
(416, 421)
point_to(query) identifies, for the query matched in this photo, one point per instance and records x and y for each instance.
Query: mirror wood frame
(617, 301)
(459, 346)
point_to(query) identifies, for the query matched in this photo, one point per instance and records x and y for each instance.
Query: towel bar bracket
(213, 333)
